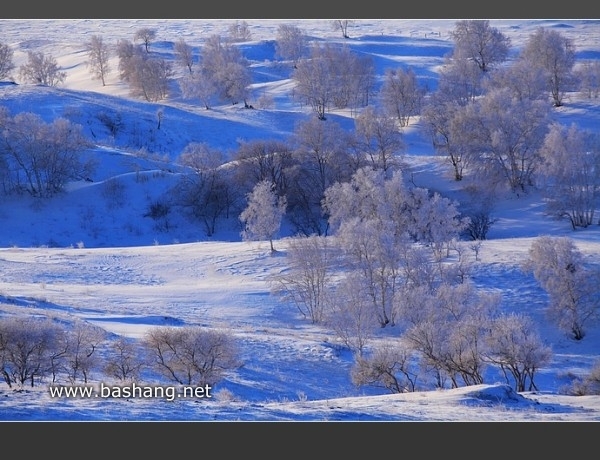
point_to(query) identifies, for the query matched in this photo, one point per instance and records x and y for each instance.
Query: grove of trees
(39, 157)
(34, 350)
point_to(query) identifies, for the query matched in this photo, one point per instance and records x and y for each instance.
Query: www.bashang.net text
(133, 390)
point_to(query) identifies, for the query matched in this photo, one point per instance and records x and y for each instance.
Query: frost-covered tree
(145, 35)
(510, 133)
(314, 84)
(554, 54)
(516, 347)
(587, 75)
(333, 76)
(368, 217)
(239, 31)
(523, 81)
(569, 174)
(150, 78)
(197, 85)
(126, 51)
(98, 58)
(572, 285)
(479, 42)
(184, 54)
(369, 195)
(351, 313)
(587, 384)
(263, 215)
(291, 43)
(43, 156)
(6, 61)
(308, 282)
(372, 249)
(460, 81)
(445, 122)
(448, 333)
(225, 66)
(401, 95)
(378, 137)
(391, 365)
(434, 220)
(192, 355)
(41, 69)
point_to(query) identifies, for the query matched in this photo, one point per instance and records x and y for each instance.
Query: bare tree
(26, 347)
(321, 157)
(83, 341)
(126, 362)
(145, 35)
(290, 43)
(6, 61)
(98, 58)
(342, 25)
(192, 355)
(572, 286)
(41, 69)
(554, 54)
(263, 214)
(477, 41)
(307, 283)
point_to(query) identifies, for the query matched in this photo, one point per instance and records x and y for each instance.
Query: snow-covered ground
(78, 255)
